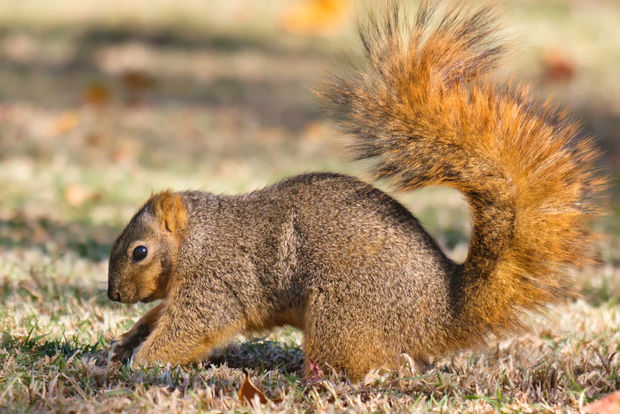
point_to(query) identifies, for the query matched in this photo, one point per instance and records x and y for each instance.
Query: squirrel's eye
(139, 253)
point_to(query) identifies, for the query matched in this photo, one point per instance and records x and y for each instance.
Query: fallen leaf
(610, 404)
(96, 94)
(135, 83)
(315, 131)
(137, 80)
(557, 65)
(64, 123)
(316, 16)
(95, 139)
(76, 195)
(248, 391)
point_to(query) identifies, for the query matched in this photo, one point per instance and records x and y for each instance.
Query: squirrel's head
(144, 254)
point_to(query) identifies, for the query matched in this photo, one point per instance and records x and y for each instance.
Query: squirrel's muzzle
(113, 293)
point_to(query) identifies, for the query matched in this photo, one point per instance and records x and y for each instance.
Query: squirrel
(346, 263)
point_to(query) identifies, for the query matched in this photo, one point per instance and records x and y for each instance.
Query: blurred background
(104, 102)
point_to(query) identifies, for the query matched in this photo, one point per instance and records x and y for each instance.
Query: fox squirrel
(346, 263)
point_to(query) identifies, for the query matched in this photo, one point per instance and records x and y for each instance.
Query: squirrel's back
(326, 213)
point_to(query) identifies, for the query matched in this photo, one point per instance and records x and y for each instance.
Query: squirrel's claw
(122, 350)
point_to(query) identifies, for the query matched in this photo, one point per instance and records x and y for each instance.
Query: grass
(228, 110)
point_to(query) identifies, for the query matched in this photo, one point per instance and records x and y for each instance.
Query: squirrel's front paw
(122, 350)
(128, 342)
(125, 346)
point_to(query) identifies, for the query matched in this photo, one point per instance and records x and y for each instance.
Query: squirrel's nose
(112, 295)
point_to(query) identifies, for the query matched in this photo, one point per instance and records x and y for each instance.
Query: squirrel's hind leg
(344, 342)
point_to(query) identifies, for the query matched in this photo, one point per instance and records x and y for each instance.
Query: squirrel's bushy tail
(423, 111)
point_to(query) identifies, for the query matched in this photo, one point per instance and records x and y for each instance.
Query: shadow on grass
(86, 368)
(189, 37)
(256, 354)
(37, 346)
(260, 354)
(86, 240)
(272, 100)
(54, 239)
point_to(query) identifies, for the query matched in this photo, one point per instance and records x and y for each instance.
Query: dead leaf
(64, 123)
(137, 80)
(315, 131)
(135, 83)
(557, 65)
(610, 404)
(248, 391)
(95, 139)
(77, 194)
(316, 16)
(96, 94)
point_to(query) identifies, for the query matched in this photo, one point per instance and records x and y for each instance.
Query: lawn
(103, 103)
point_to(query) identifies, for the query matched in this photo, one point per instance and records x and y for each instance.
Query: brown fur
(344, 261)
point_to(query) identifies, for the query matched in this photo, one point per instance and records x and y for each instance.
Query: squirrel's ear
(170, 211)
